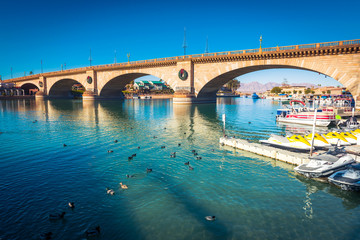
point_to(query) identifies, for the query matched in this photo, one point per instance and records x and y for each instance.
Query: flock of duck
(95, 231)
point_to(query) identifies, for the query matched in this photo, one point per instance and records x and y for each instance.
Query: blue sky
(59, 32)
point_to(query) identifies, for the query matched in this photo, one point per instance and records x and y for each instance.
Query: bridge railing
(237, 52)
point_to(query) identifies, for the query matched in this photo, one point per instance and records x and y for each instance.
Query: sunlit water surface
(252, 197)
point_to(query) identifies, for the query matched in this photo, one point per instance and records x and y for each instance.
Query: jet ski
(335, 138)
(294, 142)
(325, 164)
(319, 141)
(355, 132)
(349, 137)
(348, 179)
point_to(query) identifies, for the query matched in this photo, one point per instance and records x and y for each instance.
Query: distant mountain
(259, 87)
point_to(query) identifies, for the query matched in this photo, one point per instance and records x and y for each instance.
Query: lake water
(252, 197)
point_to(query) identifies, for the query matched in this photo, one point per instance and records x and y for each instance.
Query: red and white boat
(304, 115)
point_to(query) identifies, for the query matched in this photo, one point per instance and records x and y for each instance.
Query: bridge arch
(224, 72)
(29, 88)
(115, 86)
(62, 88)
(113, 83)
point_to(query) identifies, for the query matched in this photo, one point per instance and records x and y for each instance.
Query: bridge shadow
(215, 229)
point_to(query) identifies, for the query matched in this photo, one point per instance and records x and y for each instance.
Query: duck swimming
(115, 141)
(56, 216)
(134, 155)
(93, 232)
(191, 168)
(179, 144)
(198, 158)
(148, 170)
(187, 163)
(64, 145)
(110, 151)
(110, 191)
(130, 158)
(71, 204)
(123, 186)
(210, 218)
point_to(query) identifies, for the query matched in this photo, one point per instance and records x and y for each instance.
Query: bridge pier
(190, 98)
(89, 95)
(40, 95)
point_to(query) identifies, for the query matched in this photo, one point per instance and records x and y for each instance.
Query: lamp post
(90, 59)
(260, 49)
(128, 56)
(115, 57)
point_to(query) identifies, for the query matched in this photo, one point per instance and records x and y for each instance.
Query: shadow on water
(216, 229)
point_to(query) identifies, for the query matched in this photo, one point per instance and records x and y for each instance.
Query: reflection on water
(252, 197)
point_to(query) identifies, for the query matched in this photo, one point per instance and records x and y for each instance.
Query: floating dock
(295, 158)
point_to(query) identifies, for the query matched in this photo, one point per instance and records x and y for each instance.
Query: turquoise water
(252, 197)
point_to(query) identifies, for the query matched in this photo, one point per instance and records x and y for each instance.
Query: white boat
(145, 97)
(325, 164)
(348, 179)
(293, 142)
(304, 115)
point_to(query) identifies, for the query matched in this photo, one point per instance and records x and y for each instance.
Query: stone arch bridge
(197, 78)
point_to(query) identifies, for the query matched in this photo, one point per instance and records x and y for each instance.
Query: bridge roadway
(197, 78)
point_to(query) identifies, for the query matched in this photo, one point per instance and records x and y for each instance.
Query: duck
(110, 151)
(64, 145)
(71, 204)
(195, 154)
(179, 144)
(115, 141)
(93, 232)
(35, 121)
(134, 155)
(212, 150)
(162, 146)
(110, 191)
(210, 218)
(123, 186)
(130, 158)
(129, 176)
(187, 163)
(138, 147)
(56, 216)
(46, 236)
(191, 168)
(148, 170)
(198, 158)
(193, 151)
(155, 137)
(249, 122)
